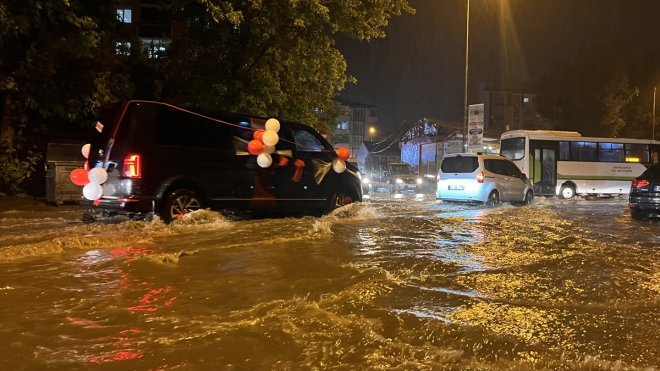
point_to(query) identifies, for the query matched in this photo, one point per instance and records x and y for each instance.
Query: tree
(275, 58)
(57, 65)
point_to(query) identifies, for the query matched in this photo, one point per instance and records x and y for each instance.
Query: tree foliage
(274, 57)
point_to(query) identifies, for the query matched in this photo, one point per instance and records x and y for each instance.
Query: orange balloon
(79, 177)
(343, 153)
(255, 147)
(258, 135)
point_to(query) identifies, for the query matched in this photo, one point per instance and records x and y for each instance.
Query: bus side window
(564, 153)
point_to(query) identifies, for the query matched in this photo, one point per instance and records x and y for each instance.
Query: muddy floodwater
(404, 283)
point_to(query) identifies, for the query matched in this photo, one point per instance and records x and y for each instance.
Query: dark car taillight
(133, 166)
(480, 177)
(637, 183)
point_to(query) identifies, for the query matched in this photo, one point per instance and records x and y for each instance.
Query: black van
(166, 160)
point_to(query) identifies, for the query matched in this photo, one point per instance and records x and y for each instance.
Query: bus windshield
(513, 148)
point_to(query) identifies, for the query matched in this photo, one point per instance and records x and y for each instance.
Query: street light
(372, 131)
(465, 88)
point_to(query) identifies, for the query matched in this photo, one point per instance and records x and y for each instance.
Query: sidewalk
(25, 203)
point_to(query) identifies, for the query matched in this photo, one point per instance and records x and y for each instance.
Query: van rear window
(459, 164)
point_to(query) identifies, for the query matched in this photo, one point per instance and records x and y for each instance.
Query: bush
(15, 167)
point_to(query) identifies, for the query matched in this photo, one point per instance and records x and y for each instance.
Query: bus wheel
(493, 198)
(567, 191)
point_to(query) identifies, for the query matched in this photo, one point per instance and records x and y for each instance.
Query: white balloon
(264, 160)
(92, 191)
(85, 150)
(339, 165)
(98, 175)
(273, 124)
(270, 138)
(269, 149)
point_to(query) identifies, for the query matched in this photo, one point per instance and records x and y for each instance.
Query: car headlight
(366, 181)
(399, 180)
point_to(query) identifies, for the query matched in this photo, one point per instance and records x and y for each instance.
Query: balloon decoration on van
(90, 179)
(263, 143)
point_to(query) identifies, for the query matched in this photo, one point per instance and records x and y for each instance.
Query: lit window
(154, 48)
(525, 99)
(124, 15)
(123, 48)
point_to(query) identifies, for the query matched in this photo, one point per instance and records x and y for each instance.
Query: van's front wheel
(340, 199)
(178, 204)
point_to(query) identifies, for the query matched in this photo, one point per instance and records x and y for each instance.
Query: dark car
(644, 198)
(166, 160)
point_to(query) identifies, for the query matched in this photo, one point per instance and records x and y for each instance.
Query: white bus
(565, 164)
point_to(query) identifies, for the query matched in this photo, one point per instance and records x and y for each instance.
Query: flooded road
(391, 283)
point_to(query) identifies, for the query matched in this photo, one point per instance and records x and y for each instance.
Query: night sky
(418, 70)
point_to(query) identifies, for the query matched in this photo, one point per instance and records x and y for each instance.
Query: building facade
(357, 124)
(154, 26)
(510, 106)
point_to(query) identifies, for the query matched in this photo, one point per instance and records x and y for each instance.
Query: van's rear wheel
(178, 204)
(493, 198)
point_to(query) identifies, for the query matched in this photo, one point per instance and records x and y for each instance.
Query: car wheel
(340, 199)
(493, 198)
(567, 192)
(529, 196)
(637, 214)
(178, 204)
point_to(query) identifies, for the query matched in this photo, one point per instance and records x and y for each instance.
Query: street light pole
(465, 88)
(653, 116)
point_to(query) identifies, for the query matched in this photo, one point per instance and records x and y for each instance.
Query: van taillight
(133, 166)
(480, 177)
(639, 183)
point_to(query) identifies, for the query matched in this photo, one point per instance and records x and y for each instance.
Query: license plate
(455, 188)
(656, 188)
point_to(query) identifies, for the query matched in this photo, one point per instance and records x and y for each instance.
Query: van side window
(511, 169)
(179, 128)
(306, 141)
(494, 166)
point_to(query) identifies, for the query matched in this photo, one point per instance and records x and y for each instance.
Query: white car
(489, 179)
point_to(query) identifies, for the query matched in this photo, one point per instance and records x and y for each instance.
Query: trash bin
(61, 159)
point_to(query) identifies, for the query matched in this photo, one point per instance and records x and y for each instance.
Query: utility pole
(465, 90)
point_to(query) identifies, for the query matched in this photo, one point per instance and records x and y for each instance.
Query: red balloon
(255, 147)
(258, 135)
(343, 153)
(79, 177)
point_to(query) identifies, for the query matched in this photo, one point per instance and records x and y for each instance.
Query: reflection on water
(395, 282)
